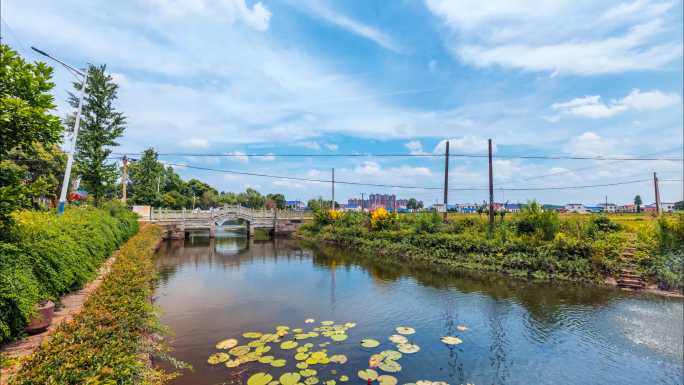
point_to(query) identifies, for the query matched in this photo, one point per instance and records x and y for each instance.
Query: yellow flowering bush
(335, 215)
(381, 219)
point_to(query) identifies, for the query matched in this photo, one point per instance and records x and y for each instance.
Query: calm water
(519, 333)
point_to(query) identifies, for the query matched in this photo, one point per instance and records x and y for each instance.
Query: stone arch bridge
(177, 223)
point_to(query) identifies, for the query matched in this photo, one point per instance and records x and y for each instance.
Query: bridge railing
(239, 211)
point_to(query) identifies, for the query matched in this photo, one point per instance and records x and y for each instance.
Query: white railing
(247, 213)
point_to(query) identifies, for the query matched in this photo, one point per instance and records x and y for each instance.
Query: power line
(389, 155)
(402, 186)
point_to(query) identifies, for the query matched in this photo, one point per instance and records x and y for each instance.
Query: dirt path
(71, 304)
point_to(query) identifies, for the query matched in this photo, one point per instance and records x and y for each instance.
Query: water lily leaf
(311, 381)
(368, 374)
(239, 350)
(439, 383)
(327, 323)
(462, 328)
(227, 344)
(350, 325)
(217, 358)
(398, 339)
(252, 334)
(287, 345)
(279, 363)
(302, 365)
(386, 379)
(389, 366)
(262, 349)
(338, 358)
(423, 382)
(266, 359)
(268, 338)
(408, 348)
(338, 337)
(309, 321)
(391, 354)
(301, 356)
(274, 383)
(233, 363)
(330, 382)
(298, 330)
(308, 372)
(370, 343)
(289, 378)
(259, 379)
(451, 340)
(344, 378)
(405, 330)
(375, 360)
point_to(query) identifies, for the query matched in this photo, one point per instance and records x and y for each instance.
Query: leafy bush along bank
(104, 341)
(49, 255)
(534, 243)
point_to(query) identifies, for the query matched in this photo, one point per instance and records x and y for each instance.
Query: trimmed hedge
(51, 255)
(103, 343)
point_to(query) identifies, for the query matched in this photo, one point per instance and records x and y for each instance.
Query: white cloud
(526, 35)
(593, 107)
(195, 142)
(257, 17)
(415, 147)
(589, 144)
(239, 156)
(468, 144)
(310, 145)
(331, 146)
(318, 9)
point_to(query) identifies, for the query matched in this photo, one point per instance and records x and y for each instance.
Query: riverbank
(530, 245)
(110, 340)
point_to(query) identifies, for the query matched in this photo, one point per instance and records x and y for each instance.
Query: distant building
(608, 207)
(295, 205)
(629, 208)
(594, 209)
(664, 207)
(513, 207)
(576, 208)
(382, 200)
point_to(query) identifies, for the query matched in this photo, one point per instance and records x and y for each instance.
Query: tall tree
(638, 202)
(145, 176)
(277, 199)
(101, 125)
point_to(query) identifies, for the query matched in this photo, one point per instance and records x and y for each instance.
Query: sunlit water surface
(519, 332)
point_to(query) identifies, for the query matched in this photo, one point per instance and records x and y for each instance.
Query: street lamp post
(70, 154)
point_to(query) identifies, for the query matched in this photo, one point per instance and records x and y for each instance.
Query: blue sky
(316, 77)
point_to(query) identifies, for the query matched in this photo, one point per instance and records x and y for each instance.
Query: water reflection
(520, 332)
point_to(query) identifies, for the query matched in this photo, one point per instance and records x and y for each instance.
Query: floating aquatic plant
(227, 344)
(451, 340)
(217, 358)
(259, 379)
(370, 343)
(386, 379)
(289, 378)
(405, 330)
(368, 374)
(462, 328)
(408, 348)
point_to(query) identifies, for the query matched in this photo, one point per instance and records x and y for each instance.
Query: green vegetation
(51, 255)
(104, 342)
(534, 243)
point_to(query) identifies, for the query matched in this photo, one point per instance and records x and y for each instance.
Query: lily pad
(391, 354)
(227, 344)
(308, 372)
(390, 366)
(462, 328)
(338, 337)
(287, 345)
(311, 381)
(233, 363)
(217, 358)
(398, 339)
(239, 350)
(368, 374)
(338, 359)
(279, 363)
(327, 323)
(301, 356)
(451, 340)
(408, 348)
(289, 378)
(386, 379)
(375, 360)
(252, 334)
(266, 359)
(350, 325)
(330, 382)
(309, 321)
(405, 330)
(259, 379)
(344, 378)
(370, 343)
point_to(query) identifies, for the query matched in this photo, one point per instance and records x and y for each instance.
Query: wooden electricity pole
(657, 192)
(124, 179)
(491, 189)
(332, 205)
(363, 205)
(446, 180)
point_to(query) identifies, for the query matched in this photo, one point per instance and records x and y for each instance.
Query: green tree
(313, 204)
(679, 206)
(252, 198)
(101, 125)
(145, 175)
(638, 202)
(278, 200)
(25, 104)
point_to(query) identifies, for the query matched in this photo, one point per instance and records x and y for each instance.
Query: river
(517, 332)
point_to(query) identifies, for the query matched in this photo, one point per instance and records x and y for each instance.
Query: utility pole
(606, 208)
(491, 189)
(446, 180)
(332, 204)
(124, 179)
(363, 204)
(657, 192)
(77, 123)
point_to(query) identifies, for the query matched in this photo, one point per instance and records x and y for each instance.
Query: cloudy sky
(568, 78)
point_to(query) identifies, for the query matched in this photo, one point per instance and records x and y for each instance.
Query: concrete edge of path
(71, 304)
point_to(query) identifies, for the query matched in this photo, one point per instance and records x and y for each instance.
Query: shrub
(427, 222)
(533, 220)
(603, 224)
(104, 341)
(52, 256)
(383, 220)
